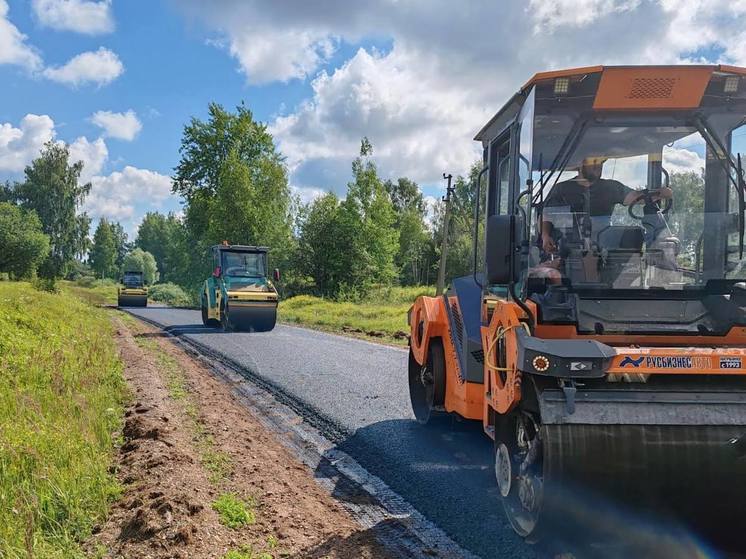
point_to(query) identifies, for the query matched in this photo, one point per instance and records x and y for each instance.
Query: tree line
(233, 183)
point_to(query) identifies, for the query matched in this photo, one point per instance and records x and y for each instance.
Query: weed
(61, 398)
(46, 284)
(272, 541)
(246, 552)
(216, 462)
(234, 512)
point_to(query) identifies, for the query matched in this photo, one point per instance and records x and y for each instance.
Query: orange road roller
(601, 338)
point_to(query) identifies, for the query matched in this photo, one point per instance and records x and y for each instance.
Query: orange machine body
(637, 356)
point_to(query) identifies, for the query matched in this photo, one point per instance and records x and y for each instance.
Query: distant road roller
(239, 296)
(601, 339)
(132, 291)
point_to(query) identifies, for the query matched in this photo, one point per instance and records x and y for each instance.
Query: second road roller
(239, 296)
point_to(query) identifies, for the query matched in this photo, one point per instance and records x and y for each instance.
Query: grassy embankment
(61, 397)
(382, 315)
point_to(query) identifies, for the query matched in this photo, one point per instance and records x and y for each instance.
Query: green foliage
(46, 284)
(461, 230)
(234, 512)
(164, 236)
(120, 243)
(319, 245)
(103, 256)
(415, 258)
(235, 186)
(140, 261)
(171, 294)
(51, 188)
(687, 213)
(247, 552)
(23, 245)
(61, 395)
(350, 245)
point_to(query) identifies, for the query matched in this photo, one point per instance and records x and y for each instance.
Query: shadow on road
(443, 469)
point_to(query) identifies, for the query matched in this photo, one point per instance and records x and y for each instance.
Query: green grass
(233, 511)
(61, 398)
(247, 552)
(98, 292)
(382, 315)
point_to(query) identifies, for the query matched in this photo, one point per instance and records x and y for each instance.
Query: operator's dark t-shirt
(603, 195)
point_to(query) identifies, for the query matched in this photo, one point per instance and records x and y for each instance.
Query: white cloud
(256, 54)
(548, 14)
(93, 155)
(306, 193)
(386, 99)
(99, 67)
(13, 47)
(680, 160)
(446, 68)
(124, 126)
(116, 196)
(18, 146)
(81, 16)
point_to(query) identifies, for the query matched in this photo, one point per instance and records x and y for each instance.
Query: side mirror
(499, 248)
(276, 274)
(216, 272)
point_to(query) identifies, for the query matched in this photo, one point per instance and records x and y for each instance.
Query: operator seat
(620, 247)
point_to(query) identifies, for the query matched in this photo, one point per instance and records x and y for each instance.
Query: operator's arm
(633, 195)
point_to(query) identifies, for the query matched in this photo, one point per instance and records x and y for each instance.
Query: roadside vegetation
(234, 512)
(61, 398)
(382, 315)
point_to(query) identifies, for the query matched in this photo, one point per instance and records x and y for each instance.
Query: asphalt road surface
(359, 390)
(357, 394)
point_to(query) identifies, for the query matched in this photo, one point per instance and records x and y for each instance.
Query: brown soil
(166, 507)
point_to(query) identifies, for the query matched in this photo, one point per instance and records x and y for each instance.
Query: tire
(203, 309)
(225, 321)
(427, 384)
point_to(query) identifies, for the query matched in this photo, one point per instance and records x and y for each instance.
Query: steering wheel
(650, 206)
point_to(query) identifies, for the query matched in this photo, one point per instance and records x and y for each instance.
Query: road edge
(399, 526)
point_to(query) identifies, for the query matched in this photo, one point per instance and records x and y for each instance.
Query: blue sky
(419, 78)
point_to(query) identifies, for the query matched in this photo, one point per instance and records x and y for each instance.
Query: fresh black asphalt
(358, 393)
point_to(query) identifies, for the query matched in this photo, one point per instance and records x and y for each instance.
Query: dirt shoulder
(195, 462)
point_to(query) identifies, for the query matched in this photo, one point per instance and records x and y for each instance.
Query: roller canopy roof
(626, 88)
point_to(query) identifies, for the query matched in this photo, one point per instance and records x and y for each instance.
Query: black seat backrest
(621, 237)
(466, 324)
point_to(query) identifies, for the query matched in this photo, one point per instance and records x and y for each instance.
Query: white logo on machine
(730, 362)
(671, 362)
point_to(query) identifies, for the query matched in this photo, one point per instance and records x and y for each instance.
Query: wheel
(519, 471)
(225, 321)
(203, 309)
(427, 384)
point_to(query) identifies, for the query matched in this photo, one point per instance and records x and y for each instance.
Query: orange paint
(652, 87)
